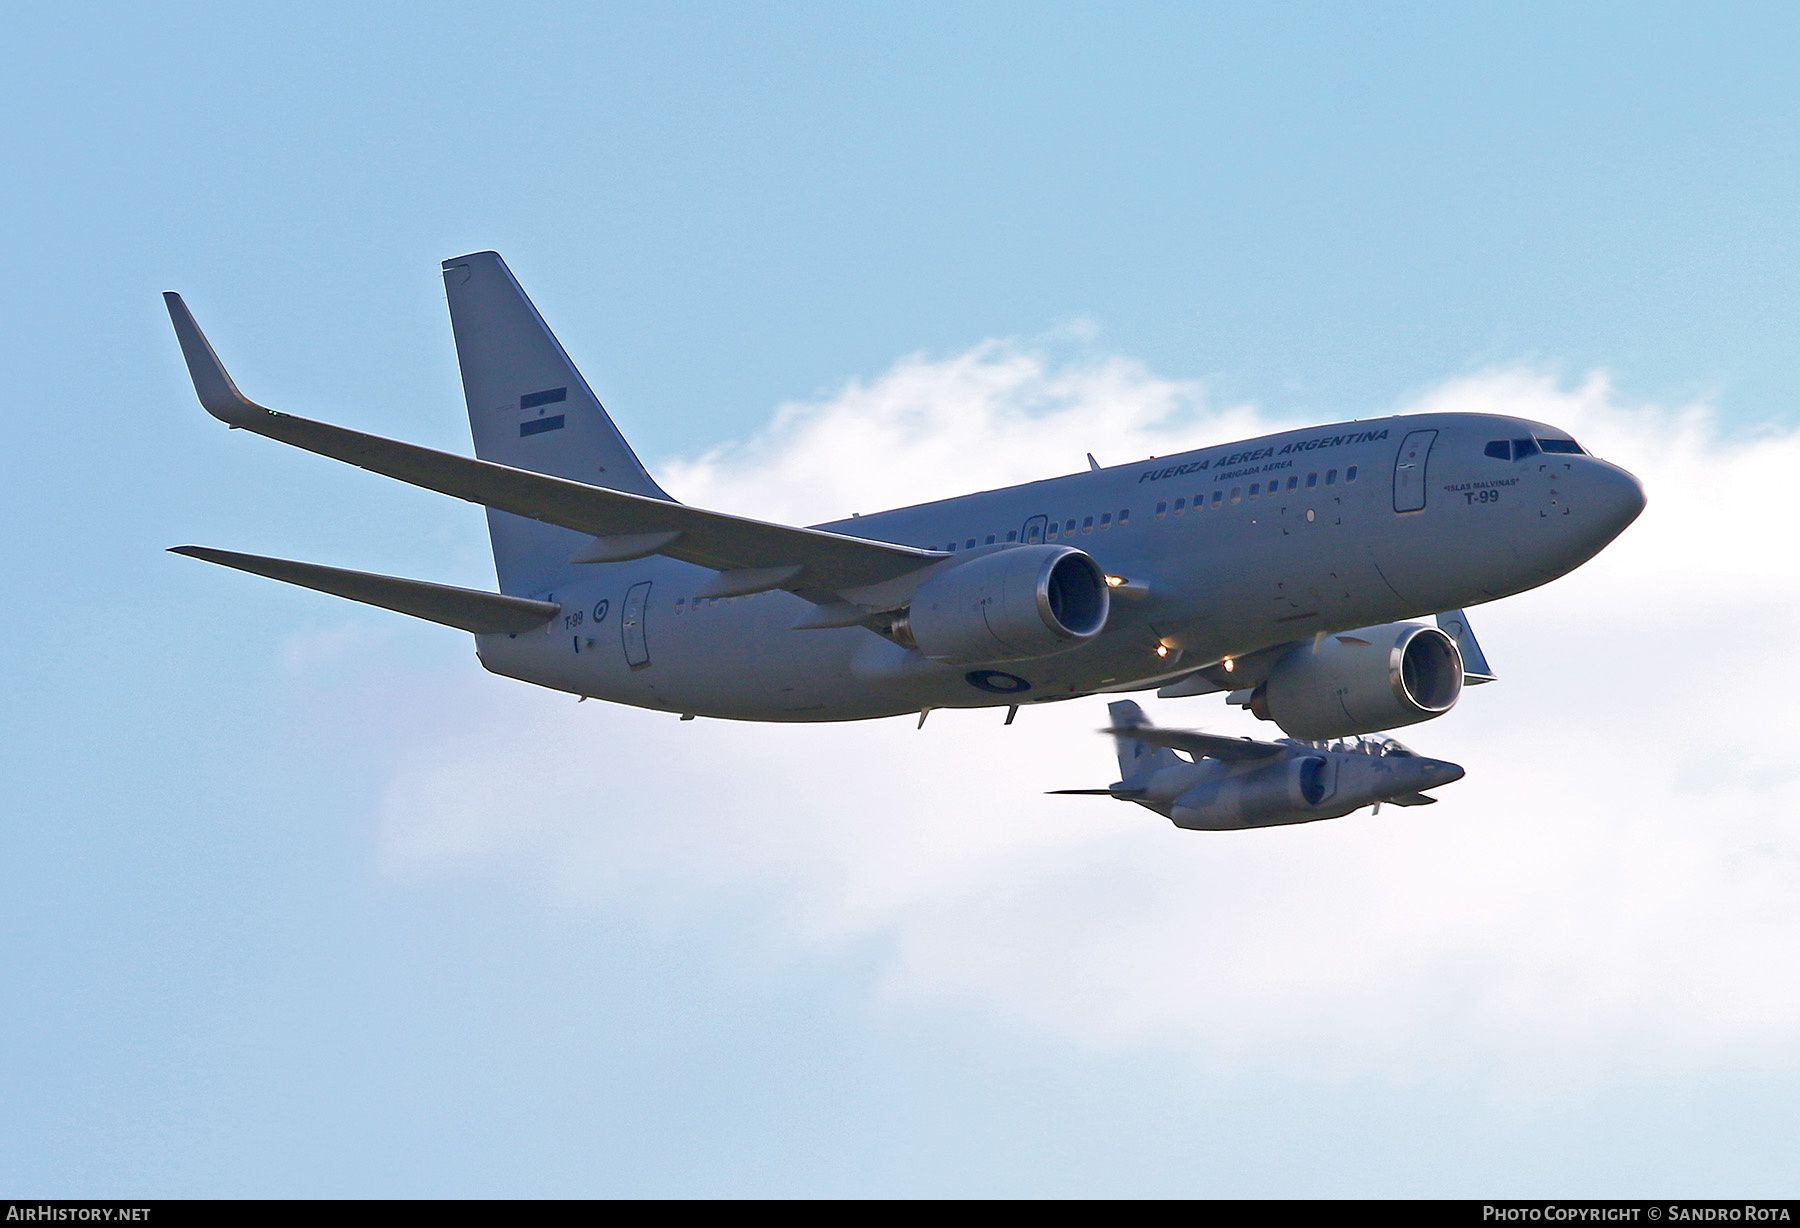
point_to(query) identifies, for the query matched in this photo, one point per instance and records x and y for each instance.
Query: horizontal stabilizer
(1119, 793)
(814, 560)
(464, 608)
(1208, 745)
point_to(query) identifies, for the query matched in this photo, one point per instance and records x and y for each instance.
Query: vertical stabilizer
(1137, 758)
(530, 408)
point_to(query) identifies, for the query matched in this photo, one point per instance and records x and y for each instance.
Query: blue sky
(247, 952)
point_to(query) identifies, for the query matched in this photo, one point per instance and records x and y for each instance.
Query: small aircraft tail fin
(464, 608)
(531, 409)
(1137, 758)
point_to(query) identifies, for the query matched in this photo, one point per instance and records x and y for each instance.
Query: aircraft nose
(1616, 495)
(1435, 772)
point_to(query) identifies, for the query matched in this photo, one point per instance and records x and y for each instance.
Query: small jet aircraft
(1233, 783)
(1277, 569)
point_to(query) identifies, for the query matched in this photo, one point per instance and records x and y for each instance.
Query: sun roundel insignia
(996, 682)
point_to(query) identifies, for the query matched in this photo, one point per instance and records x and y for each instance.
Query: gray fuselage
(1224, 550)
(1307, 784)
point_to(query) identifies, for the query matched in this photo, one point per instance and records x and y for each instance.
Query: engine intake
(1286, 792)
(1011, 605)
(1362, 681)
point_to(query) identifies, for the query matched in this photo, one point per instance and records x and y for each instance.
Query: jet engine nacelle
(1011, 605)
(1362, 681)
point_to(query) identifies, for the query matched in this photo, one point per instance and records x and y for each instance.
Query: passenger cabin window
(1124, 515)
(1052, 531)
(1293, 483)
(1312, 480)
(1162, 509)
(1331, 477)
(1219, 497)
(1350, 474)
(970, 543)
(1106, 519)
(1087, 526)
(1069, 529)
(1237, 494)
(1013, 536)
(1180, 506)
(990, 539)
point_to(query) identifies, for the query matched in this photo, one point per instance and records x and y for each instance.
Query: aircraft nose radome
(1618, 494)
(1439, 772)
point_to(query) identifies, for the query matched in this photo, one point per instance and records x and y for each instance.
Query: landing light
(1229, 665)
(1162, 650)
(1114, 581)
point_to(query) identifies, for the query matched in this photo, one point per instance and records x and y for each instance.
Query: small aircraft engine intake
(1361, 682)
(1011, 605)
(1281, 792)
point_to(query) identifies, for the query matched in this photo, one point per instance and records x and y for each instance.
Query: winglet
(1476, 670)
(212, 383)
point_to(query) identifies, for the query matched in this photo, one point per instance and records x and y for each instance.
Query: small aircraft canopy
(1376, 744)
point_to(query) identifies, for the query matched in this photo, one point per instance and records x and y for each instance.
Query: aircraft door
(1409, 471)
(631, 625)
(1034, 530)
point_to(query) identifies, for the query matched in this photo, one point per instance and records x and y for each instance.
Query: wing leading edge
(1208, 745)
(752, 555)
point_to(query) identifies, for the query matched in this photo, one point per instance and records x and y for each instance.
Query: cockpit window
(1519, 449)
(1511, 449)
(1376, 744)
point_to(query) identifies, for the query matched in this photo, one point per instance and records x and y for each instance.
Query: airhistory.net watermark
(52, 1213)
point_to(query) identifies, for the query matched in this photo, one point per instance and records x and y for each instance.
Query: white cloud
(994, 416)
(1613, 884)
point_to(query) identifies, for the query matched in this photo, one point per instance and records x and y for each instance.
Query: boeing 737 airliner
(1282, 569)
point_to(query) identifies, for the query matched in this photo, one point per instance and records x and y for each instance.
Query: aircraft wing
(1209, 745)
(753, 555)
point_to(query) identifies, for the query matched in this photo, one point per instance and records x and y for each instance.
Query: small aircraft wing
(753, 555)
(1209, 745)
(464, 608)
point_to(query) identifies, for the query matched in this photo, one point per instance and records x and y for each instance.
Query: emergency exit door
(631, 625)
